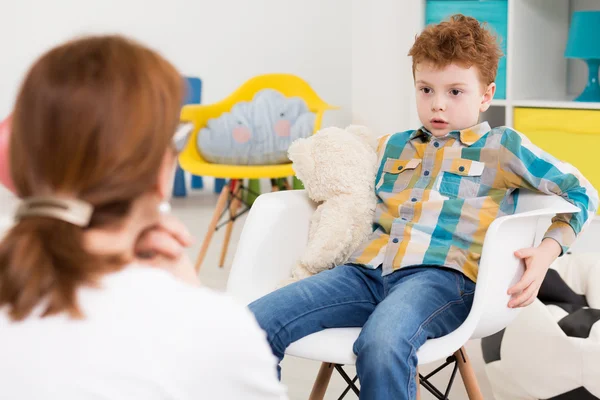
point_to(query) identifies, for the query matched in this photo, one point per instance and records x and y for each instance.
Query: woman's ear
(166, 175)
(488, 96)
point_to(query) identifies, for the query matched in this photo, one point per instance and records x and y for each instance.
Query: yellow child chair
(191, 160)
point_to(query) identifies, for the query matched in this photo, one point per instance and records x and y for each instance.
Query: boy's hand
(537, 261)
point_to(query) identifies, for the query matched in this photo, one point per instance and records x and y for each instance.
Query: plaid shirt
(438, 196)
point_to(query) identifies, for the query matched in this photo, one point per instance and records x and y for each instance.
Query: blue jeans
(398, 313)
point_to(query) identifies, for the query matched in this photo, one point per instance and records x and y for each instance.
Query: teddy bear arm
(329, 244)
(314, 223)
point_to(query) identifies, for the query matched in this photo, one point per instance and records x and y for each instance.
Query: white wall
(353, 53)
(383, 31)
(224, 42)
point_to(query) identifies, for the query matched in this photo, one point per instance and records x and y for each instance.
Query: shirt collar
(467, 136)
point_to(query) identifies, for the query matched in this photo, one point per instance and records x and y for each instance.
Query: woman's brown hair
(93, 121)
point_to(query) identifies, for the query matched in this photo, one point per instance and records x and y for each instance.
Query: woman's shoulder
(170, 298)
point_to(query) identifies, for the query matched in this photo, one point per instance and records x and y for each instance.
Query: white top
(146, 336)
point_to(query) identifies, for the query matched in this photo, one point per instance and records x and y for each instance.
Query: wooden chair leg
(468, 375)
(221, 204)
(233, 208)
(322, 381)
(418, 386)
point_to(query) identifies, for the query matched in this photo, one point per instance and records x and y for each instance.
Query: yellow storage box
(568, 134)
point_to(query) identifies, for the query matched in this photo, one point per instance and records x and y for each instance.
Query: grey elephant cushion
(258, 132)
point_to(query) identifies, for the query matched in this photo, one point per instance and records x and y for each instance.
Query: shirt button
(413, 199)
(461, 168)
(436, 144)
(426, 173)
(395, 240)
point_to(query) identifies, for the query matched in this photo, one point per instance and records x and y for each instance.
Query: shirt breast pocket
(396, 175)
(462, 180)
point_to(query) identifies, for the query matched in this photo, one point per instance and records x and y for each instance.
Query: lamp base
(591, 93)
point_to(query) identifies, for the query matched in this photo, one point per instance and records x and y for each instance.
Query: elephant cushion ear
(4, 136)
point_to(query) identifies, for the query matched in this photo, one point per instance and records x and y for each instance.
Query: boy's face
(450, 98)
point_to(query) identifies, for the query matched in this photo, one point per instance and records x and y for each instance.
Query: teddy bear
(338, 168)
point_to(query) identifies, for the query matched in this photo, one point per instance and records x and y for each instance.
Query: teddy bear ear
(300, 154)
(363, 133)
(297, 148)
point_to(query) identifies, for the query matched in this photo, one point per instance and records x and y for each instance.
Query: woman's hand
(164, 245)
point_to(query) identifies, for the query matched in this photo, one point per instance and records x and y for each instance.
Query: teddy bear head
(335, 161)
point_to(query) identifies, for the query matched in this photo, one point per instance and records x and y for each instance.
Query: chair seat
(330, 345)
(335, 345)
(194, 164)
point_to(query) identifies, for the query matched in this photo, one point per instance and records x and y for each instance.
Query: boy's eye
(455, 92)
(426, 90)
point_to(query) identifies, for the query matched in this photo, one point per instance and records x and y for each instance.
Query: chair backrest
(499, 268)
(287, 84)
(274, 237)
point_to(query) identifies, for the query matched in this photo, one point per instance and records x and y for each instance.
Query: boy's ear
(488, 96)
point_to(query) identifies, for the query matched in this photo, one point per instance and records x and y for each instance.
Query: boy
(439, 188)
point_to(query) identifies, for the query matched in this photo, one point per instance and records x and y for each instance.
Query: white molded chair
(276, 233)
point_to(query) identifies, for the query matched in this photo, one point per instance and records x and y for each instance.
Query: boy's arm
(521, 164)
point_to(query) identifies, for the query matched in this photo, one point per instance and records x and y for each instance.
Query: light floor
(196, 211)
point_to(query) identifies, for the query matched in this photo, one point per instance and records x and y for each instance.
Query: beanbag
(552, 349)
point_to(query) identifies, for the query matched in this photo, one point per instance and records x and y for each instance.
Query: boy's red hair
(461, 40)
